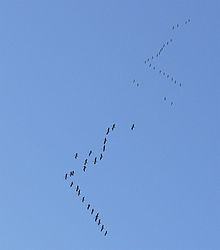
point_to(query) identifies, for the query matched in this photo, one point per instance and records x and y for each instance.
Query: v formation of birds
(95, 159)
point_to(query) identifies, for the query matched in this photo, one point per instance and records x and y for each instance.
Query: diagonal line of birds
(99, 157)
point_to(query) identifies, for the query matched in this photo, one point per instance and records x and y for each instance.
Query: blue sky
(66, 75)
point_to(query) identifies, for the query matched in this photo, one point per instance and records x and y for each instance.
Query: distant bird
(102, 228)
(76, 155)
(105, 140)
(103, 149)
(107, 131)
(167, 43)
(88, 206)
(167, 76)
(160, 71)
(79, 193)
(152, 58)
(106, 233)
(71, 173)
(85, 162)
(71, 184)
(154, 68)
(77, 188)
(100, 157)
(148, 59)
(99, 222)
(65, 176)
(145, 61)
(172, 79)
(132, 127)
(171, 103)
(164, 73)
(165, 98)
(96, 217)
(95, 160)
(83, 199)
(84, 168)
(90, 152)
(137, 84)
(133, 81)
(157, 54)
(188, 20)
(113, 126)
(175, 81)
(92, 211)
(173, 27)
(180, 84)
(171, 40)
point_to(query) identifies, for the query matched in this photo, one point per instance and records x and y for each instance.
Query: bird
(113, 126)
(71, 173)
(137, 84)
(100, 157)
(154, 68)
(172, 79)
(171, 103)
(95, 160)
(148, 59)
(175, 81)
(188, 20)
(88, 206)
(102, 228)
(152, 58)
(84, 168)
(173, 27)
(103, 149)
(106, 233)
(164, 73)
(171, 40)
(145, 61)
(65, 176)
(96, 217)
(165, 98)
(71, 184)
(105, 140)
(185, 22)
(77, 188)
(167, 43)
(85, 162)
(133, 81)
(107, 131)
(76, 155)
(167, 76)
(92, 211)
(83, 199)
(79, 192)
(160, 71)
(157, 54)
(132, 127)
(99, 222)
(180, 84)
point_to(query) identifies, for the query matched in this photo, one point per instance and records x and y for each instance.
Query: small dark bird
(175, 81)
(83, 199)
(145, 62)
(180, 84)
(76, 155)
(105, 140)
(165, 98)
(85, 162)
(171, 40)
(90, 152)
(160, 71)
(137, 84)
(171, 103)
(164, 73)
(113, 126)
(173, 27)
(107, 131)
(77, 188)
(105, 233)
(100, 157)
(92, 211)
(65, 176)
(167, 76)
(96, 217)
(188, 20)
(99, 222)
(154, 68)
(102, 228)
(132, 127)
(71, 173)
(185, 22)
(71, 184)
(95, 160)
(88, 206)
(167, 43)
(103, 149)
(133, 81)
(84, 168)
(148, 59)
(79, 193)
(172, 79)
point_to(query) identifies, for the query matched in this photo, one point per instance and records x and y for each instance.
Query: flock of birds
(99, 157)
(157, 55)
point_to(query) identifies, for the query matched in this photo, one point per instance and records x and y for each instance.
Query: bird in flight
(132, 127)
(171, 103)
(76, 155)
(79, 192)
(77, 188)
(71, 184)
(85, 162)
(65, 176)
(106, 233)
(95, 160)
(99, 222)
(165, 98)
(71, 173)
(100, 157)
(103, 149)
(105, 140)
(107, 131)
(113, 126)
(90, 152)
(83, 199)
(102, 228)
(88, 206)
(180, 84)
(96, 217)
(84, 168)
(92, 211)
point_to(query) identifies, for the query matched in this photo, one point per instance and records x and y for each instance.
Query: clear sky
(66, 75)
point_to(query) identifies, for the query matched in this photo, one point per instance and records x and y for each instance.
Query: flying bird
(107, 131)
(103, 149)
(85, 162)
(148, 59)
(171, 103)
(173, 27)
(105, 140)
(180, 84)
(84, 168)
(132, 127)
(154, 68)
(167, 76)
(99, 222)
(165, 98)
(90, 152)
(96, 217)
(79, 193)
(77, 188)
(175, 81)
(71, 173)
(76, 155)
(102, 228)
(65, 176)
(71, 184)
(83, 199)
(100, 157)
(133, 81)
(113, 126)
(92, 211)
(105, 233)
(145, 61)
(95, 160)
(88, 206)
(177, 25)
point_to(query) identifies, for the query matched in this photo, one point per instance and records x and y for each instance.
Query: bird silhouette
(77, 188)
(85, 162)
(88, 206)
(175, 81)
(165, 98)
(99, 222)
(79, 192)
(76, 155)
(173, 27)
(167, 76)
(105, 140)
(148, 59)
(96, 217)
(133, 81)
(65, 176)
(95, 160)
(106, 233)
(154, 68)
(102, 228)
(100, 157)
(171, 103)
(71, 184)
(145, 61)
(92, 211)
(180, 84)
(71, 173)
(83, 199)
(84, 168)
(132, 127)
(103, 149)
(107, 131)
(113, 126)
(90, 152)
